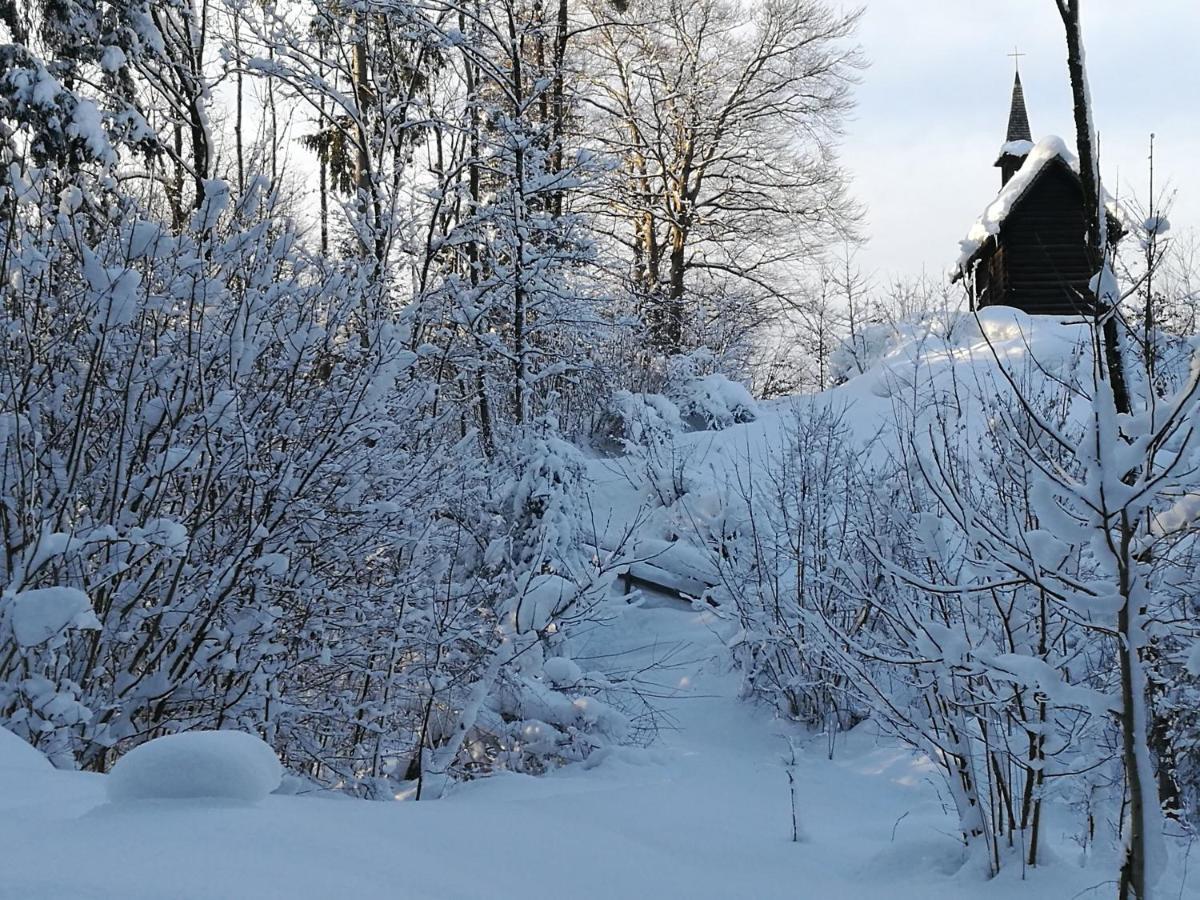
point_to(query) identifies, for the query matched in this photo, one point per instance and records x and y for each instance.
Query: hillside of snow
(906, 367)
(704, 811)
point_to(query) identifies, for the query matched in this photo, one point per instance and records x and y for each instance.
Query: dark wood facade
(1039, 261)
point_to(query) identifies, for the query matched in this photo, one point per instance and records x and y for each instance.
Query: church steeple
(1019, 139)
(1018, 118)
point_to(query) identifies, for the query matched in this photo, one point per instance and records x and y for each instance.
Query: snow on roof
(1016, 148)
(1046, 150)
(1041, 154)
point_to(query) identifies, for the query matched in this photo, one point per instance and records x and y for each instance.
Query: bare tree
(724, 118)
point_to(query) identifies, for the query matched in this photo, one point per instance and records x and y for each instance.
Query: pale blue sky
(933, 106)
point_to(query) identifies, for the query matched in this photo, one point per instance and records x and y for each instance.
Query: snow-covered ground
(704, 813)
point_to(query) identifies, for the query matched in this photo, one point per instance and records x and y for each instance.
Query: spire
(1019, 140)
(1018, 118)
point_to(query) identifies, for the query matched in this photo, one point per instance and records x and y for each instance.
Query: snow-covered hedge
(242, 509)
(694, 400)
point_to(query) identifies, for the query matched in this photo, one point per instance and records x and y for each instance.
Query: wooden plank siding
(1039, 260)
(1044, 240)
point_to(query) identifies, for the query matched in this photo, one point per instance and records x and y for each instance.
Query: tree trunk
(1133, 866)
(672, 313)
(1132, 883)
(1089, 176)
(558, 103)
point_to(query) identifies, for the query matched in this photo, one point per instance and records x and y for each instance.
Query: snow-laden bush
(540, 717)
(632, 420)
(274, 471)
(223, 765)
(539, 582)
(975, 577)
(39, 626)
(775, 536)
(186, 416)
(706, 398)
(715, 402)
(858, 352)
(215, 438)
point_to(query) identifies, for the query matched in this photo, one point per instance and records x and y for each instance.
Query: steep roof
(1018, 117)
(1018, 140)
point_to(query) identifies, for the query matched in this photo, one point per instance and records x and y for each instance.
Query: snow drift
(222, 765)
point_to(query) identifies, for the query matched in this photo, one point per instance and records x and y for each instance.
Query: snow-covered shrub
(714, 402)
(274, 471)
(540, 717)
(636, 420)
(541, 581)
(857, 353)
(705, 398)
(198, 424)
(868, 345)
(777, 535)
(962, 578)
(222, 765)
(38, 626)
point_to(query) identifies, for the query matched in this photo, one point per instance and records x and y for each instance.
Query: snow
(544, 595)
(562, 671)
(42, 613)
(714, 401)
(147, 240)
(87, 125)
(703, 815)
(17, 755)
(112, 59)
(225, 765)
(1157, 224)
(1016, 148)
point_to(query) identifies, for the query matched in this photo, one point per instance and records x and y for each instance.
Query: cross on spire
(1016, 57)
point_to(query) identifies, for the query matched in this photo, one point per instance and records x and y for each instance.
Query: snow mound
(544, 596)
(632, 420)
(16, 754)
(562, 672)
(227, 765)
(1005, 323)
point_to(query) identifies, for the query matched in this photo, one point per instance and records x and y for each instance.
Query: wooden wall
(1040, 263)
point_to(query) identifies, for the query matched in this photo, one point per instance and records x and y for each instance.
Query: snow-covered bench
(661, 581)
